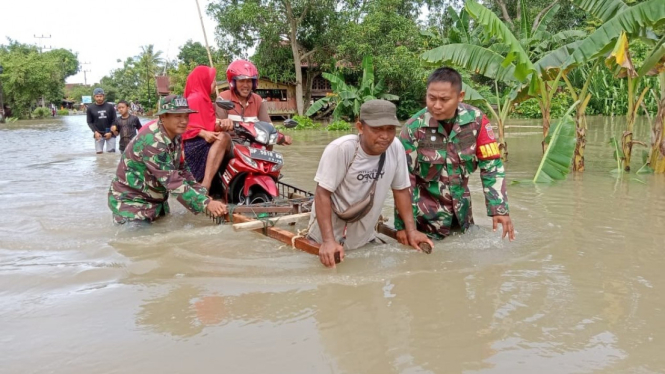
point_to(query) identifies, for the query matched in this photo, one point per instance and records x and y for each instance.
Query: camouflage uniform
(150, 169)
(440, 165)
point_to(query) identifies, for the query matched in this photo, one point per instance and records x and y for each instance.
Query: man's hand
(217, 208)
(402, 238)
(114, 130)
(107, 136)
(415, 238)
(287, 140)
(223, 125)
(507, 225)
(98, 135)
(208, 136)
(327, 253)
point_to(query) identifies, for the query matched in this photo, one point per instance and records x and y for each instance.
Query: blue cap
(98, 91)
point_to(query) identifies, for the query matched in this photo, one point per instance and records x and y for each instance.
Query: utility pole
(2, 104)
(85, 77)
(40, 44)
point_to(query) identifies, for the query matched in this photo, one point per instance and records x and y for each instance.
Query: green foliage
(531, 109)
(617, 153)
(306, 123)
(339, 125)
(348, 99)
(63, 112)
(633, 21)
(30, 75)
(193, 52)
(556, 161)
(41, 112)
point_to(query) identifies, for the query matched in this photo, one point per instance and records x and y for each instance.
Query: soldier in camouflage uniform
(445, 143)
(151, 168)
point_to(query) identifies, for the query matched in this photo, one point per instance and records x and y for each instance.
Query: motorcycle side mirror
(290, 123)
(224, 104)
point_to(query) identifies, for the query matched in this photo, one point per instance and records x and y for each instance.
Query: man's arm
(329, 246)
(410, 147)
(112, 114)
(90, 119)
(263, 113)
(137, 123)
(493, 178)
(180, 184)
(403, 208)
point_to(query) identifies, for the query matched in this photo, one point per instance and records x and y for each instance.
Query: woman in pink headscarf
(206, 140)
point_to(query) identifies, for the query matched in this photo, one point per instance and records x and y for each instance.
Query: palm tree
(150, 63)
(346, 98)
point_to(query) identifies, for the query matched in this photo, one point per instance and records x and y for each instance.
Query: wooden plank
(260, 224)
(262, 209)
(388, 231)
(283, 236)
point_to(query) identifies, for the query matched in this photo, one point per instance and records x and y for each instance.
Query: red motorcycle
(249, 175)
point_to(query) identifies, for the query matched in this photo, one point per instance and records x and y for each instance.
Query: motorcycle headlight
(249, 160)
(277, 166)
(261, 136)
(273, 138)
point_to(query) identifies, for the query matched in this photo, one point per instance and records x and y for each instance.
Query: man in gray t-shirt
(347, 170)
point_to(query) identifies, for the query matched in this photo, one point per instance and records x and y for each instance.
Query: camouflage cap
(174, 104)
(377, 113)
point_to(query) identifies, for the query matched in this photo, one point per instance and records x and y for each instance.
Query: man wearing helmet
(243, 78)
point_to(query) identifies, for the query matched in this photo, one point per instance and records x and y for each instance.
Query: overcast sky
(105, 31)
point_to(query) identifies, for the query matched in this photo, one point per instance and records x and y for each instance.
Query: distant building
(164, 85)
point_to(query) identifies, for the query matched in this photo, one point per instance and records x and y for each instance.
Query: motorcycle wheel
(260, 197)
(255, 198)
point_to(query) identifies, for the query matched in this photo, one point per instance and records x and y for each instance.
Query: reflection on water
(580, 291)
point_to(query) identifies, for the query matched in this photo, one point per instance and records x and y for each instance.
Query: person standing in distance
(101, 116)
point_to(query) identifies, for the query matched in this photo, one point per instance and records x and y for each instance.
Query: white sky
(104, 31)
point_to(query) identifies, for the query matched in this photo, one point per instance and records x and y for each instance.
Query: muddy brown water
(581, 290)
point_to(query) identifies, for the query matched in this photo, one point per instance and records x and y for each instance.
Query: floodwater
(581, 290)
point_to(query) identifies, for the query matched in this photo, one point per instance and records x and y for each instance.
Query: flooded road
(581, 290)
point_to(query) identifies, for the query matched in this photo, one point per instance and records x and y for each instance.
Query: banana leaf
(633, 20)
(474, 58)
(603, 9)
(318, 105)
(495, 27)
(558, 157)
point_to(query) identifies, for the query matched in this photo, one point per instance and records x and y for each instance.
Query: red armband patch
(486, 146)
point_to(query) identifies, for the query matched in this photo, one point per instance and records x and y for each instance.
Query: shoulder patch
(486, 146)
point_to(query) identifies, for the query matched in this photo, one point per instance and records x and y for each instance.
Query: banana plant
(347, 98)
(513, 65)
(503, 108)
(555, 164)
(620, 22)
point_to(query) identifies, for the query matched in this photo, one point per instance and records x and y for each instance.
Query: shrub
(41, 112)
(305, 123)
(530, 108)
(63, 112)
(339, 125)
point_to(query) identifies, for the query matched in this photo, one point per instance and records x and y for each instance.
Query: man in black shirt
(101, 116)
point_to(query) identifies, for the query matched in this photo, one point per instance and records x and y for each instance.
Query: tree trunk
(293, 28)
(578, 160)
(627, 137)
(657, 159)
(309, 81)
(503, 146)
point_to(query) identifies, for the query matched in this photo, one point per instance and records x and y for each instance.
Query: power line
(40, 43)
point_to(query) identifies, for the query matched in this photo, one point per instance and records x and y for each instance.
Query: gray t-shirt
(350, 187)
